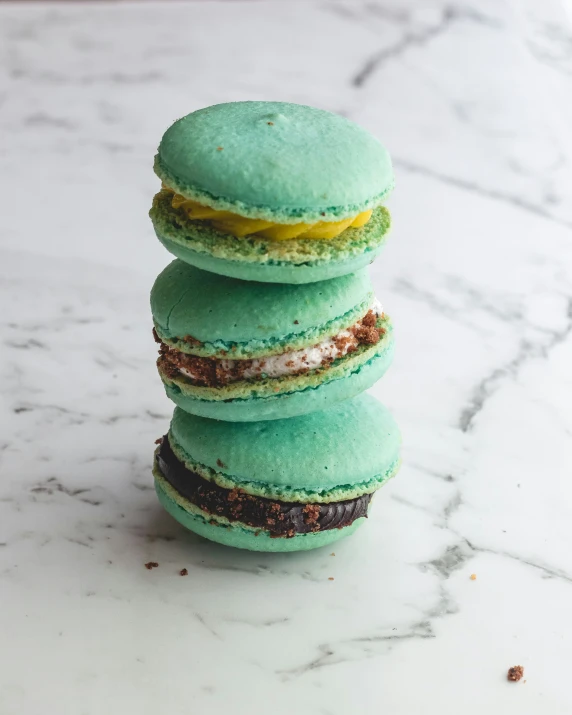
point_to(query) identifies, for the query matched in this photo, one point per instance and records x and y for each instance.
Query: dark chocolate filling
(280, 518)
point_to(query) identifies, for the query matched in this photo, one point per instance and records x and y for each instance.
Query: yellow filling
(240, 226)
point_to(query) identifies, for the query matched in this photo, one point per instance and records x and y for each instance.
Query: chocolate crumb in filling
(280, 518)
(191, 341)
(210, 372)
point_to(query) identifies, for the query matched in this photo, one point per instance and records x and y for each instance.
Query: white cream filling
(290, 363)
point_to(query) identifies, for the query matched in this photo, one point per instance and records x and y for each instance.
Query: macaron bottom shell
(264, 260)
(287, 404)
(271, 273)
(242, 538)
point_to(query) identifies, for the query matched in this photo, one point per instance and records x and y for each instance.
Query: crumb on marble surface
(151, 565)
(473, 577)
(515, 673)
(183, 572)
(330, 578)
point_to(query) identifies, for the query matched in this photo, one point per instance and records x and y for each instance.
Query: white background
(473, 101)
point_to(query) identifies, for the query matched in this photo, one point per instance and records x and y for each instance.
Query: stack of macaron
(268, 326)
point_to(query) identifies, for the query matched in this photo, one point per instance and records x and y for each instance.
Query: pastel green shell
(245, 319)
(336, 451)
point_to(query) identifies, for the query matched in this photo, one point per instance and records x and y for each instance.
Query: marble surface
(472, 100)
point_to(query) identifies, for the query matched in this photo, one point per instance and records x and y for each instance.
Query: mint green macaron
(245, 351)
(278, 165)
(285, 485)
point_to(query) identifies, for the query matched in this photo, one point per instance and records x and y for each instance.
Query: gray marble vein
(417, 38)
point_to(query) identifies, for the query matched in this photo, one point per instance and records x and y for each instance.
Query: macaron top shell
(211, 308)
(356, 441)
(277, 161)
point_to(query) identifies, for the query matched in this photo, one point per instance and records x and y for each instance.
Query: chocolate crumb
(234, 494)
(370, 319)
(159, 441)
(219, 148)
(515, 673)
(271, 124)
(311, 513)
(367, 334)
(220, 463)
(290, 534)
(322, 213)
(330, 578)
(296, 322)
(332, 554)
(344, 343)
(156, 338)
(151, 565)
(183, 572)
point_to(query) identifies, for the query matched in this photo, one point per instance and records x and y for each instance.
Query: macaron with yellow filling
(243, 351)
(272, 192)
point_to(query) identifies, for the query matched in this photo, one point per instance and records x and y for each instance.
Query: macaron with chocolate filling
(243, 351)
(272, 191)
(285, 485)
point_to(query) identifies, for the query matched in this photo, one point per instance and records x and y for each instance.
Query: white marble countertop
(472, 101)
